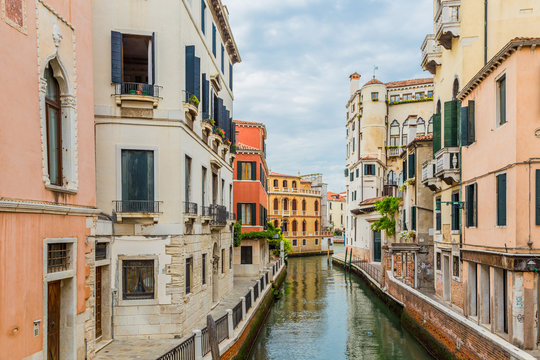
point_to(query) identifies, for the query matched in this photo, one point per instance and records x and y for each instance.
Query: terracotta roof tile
(333, 196)
(371, 201)
(411, 82)
(424, 137)
(253, 123)
(373, 81)
(241, 146)
(368, 158)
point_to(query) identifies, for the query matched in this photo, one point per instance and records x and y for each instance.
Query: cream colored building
(164, 173)
(378, 119)
(465, 36)
(336, 211)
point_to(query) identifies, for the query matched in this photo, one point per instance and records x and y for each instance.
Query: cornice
(29, 206)
(218, 10)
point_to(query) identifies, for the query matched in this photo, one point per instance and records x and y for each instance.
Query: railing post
(230, 323)
(198, 344)
(259, 286)
(243, 299)
(252, 296)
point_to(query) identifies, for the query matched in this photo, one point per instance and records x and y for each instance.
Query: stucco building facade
(336, 211)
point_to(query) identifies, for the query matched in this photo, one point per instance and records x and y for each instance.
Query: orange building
(48, 191)
(296, 208)
(249, 186)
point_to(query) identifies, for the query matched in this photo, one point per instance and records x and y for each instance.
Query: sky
(297, 56)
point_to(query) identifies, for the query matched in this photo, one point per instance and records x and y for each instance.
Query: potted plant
(194, 101)
(227, 142)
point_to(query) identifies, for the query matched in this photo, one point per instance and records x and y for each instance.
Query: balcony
(390, 190)
(447, 165)
(431, 54)
(219, 215)
(286, 213)
(394, 151)
(447, 23)
(128, 93)
(190, 211)
(206, 213)
(137, 209)
(428, 175)
(191, 105)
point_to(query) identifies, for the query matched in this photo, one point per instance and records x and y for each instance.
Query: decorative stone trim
(46, 208)
(20, 23)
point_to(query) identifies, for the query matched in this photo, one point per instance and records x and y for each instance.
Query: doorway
(446, 278)
(53, 320)
(99, 329)
(377, 246)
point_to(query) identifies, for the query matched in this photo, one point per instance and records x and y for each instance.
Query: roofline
(251, 124)
(217, 9)
(495, 62)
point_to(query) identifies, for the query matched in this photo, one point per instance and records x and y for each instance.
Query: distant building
(296, 207)
(250, 175)
(336, 211)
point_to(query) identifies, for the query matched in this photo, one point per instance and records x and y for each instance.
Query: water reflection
(328, 314)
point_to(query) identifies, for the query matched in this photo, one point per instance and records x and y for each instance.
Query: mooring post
(212, 337)
(350, 260)
(345, 264)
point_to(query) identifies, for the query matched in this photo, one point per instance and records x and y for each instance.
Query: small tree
(237, 234)
(388, 208)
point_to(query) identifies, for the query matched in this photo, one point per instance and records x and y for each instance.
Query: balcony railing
(286, 213)
(137, 206)
(128, 88)
(206, 211)
(428, 174)
(232, 216)
(394, 151)
(219, 215)
(447, 165)
(295, 190)
(390, 190)
(431, 54)
(190, 208)
(447, 23)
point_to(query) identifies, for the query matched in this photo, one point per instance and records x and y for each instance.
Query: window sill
(137, 302)
(61, 189)
(454, 232)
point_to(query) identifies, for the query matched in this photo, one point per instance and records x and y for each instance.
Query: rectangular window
(137, 181)
(57, 257)
(369, 169)
(203, 190)
(412, 166)
(230, 76)
(430, 94)
(137, 279)
(438, 261)
(455, 265)
(203, 14)
(394, 98)
(438, 219)
(501, 200)
(455, 211)
(353, 144)
(246, 255)
(230, 257)
(246, 213)
(375, 96)
(214, 39)
(137, 65)
(413, 217)
(203, 269)
(316, 242)
(187, 179)
(471, 204)
(189, 272)
(419, 95)
(357, 172)
(407, 96)
(351, 176)
(222, 261)
(247, 170)
(501, 100)
(222, 59)
(295, 242)
(304, 241)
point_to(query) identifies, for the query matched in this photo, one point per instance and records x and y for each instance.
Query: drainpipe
(485, 29)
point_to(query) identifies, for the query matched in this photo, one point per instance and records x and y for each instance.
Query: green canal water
(326, 313)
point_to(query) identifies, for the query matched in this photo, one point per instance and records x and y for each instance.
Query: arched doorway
(215, 276)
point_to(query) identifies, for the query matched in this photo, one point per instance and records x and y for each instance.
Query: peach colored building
(500, 137)
(48, 191)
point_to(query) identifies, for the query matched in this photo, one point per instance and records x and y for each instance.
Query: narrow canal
(326, 313)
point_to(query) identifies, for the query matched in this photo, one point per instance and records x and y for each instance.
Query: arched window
(420, 127)
(284, 225)
(455, 89)
(54, 127)
(294, 184)
(304, 226)
(303, 205)
(276, 183)
(294, 205)
(316, 225)
(430, 126)
(276, 224)
(438, 109)
(405, 132)
(285, 204)
(276, 204)
(285, 183)
(394, 133)
(391, 178)
(294, 226)
(316, 205)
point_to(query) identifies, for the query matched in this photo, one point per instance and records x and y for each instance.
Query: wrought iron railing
(237, 314)
(137, 206)
(389, 190)
(371, 269)
(222, 327)
(266, 277)
(232, 216)
(129, 88)
(248, 300)
(190, 208)
(206, 211)
(255, 292)
(184, 351)
(219, 215)
(187, 97)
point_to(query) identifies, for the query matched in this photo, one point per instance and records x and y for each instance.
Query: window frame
(57, 107)
(140, 301)
(501, 117)
(243, 255)
(119, 149)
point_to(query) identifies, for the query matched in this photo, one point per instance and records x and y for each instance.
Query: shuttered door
(253, 170)
(450, 123)
(153, 61)
(464, 126)
(253, 214)
(471, 123)
(411, 165)
(404, 170)
(116, 57)
(501, 199)
(197, 77)
(413, 218)
(436, 133)
(205, 86)
(190, 71)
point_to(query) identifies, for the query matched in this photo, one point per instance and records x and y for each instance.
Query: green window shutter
(253, 170)
(471, 125)
(153, 59)
(502, 100)
(413, 218)
(470, 202)
(501, 199)
(190, 71)
(253, 214)
(450, 123)
(411, 165)
(239, 165)
(537, 196)
(116, 57)
(464, 126)
(404, 219)
(239, 212)
(404, 169)
(436, 133)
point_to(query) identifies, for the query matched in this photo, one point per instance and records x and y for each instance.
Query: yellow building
(296, 208)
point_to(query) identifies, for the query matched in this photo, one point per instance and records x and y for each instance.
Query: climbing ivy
(388, 208)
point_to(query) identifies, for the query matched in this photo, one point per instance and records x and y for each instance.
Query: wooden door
(53, 321)
(98, 303)
(377, 246)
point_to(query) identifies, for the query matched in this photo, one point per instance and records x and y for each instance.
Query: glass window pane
(54, 145)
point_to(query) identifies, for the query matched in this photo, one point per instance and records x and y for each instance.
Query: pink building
(47, 191)
(500, 136)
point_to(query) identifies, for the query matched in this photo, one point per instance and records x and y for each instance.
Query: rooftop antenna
(375, 68)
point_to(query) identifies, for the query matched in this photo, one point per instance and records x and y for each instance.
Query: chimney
(355, 82)
(412, 128)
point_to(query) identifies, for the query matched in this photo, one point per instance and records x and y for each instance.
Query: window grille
(57, 257)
